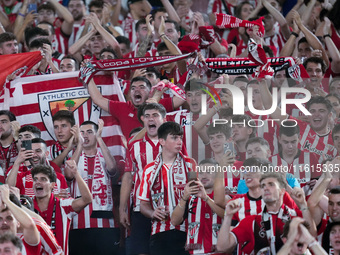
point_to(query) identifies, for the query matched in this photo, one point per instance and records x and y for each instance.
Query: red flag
(20, 63)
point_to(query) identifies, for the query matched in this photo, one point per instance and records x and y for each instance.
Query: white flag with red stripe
(35, 99)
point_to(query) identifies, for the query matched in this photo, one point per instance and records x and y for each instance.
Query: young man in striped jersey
(56, 212)
(261, 233)
(96, 222)
(66, 133)
(140, 153)
(204, 216)
(162, 188)
(301, 163)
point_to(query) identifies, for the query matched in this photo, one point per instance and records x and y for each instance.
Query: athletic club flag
(35, 99)
(19, 63)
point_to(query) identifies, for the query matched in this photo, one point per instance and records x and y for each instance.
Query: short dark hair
(38, 43)
(33, 32)
(64, 115)
(96, 3)
(46, 6)
(154, 11)
(287, 224)
(208, 161)
(302, 40)
(167, 128)
(259, 140)
(9, 114)
(89, 122)
(39, 140)
(47, 170)
(124, 40)
(246, 119)
(335, 190)
(226, 113)
(257, 162)
(193, 84)
(320, 100)
(279, 177)
(108, 49)
(27, 202)
(176, 25)
(140, 22)
(11, 238)
(152, 69)
(49, 24)
(214, 129)
(315, 60)
(75, 61)
(6, 37)
(289, 129)
(268, 50)
(30, 128)
(162, 46)
(154, 106)
(141, 78)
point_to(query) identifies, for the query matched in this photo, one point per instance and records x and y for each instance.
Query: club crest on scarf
(216, 229)
(75, 100)
(193, 229)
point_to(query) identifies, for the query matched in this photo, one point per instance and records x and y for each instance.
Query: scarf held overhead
(91, 67)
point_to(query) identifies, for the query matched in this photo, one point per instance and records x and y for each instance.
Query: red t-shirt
(126, 114)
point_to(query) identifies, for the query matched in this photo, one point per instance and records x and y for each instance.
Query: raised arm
(278, 17)
(86, 198)
(226, 241)
(311, 38)
(64, 13)
(22, 157)
(30, 231)
(289, 46)
(332, 49)
(110, 162)
(106, 35)
(171, 11)
(316, 196)
(125, 191)
(96, 97)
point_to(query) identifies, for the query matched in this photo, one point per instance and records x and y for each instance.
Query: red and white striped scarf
(101, 185)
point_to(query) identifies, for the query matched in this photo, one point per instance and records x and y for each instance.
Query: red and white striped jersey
(8, 156)
(28, 249)
(49, 244)
(152, 192)
(128, 26)
(83, 219)
(140, 153)
(195, 147)
(58, 216)
(25, 184)
(277, 41)
(254, 206)
(303, 167)
(60, 42)
(76, 32)
(313, 142)
(203, 227)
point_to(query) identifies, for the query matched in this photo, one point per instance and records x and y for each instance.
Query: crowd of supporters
(216, 160)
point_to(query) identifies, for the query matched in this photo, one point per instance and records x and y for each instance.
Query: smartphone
(32, 7)
(229, 147)
(27, 144)
(192, 176)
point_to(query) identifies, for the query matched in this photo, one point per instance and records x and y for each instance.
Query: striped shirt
(303, 167)
(152, 192)
(58, 215)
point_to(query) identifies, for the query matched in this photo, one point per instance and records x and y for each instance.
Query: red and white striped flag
(35, 99)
